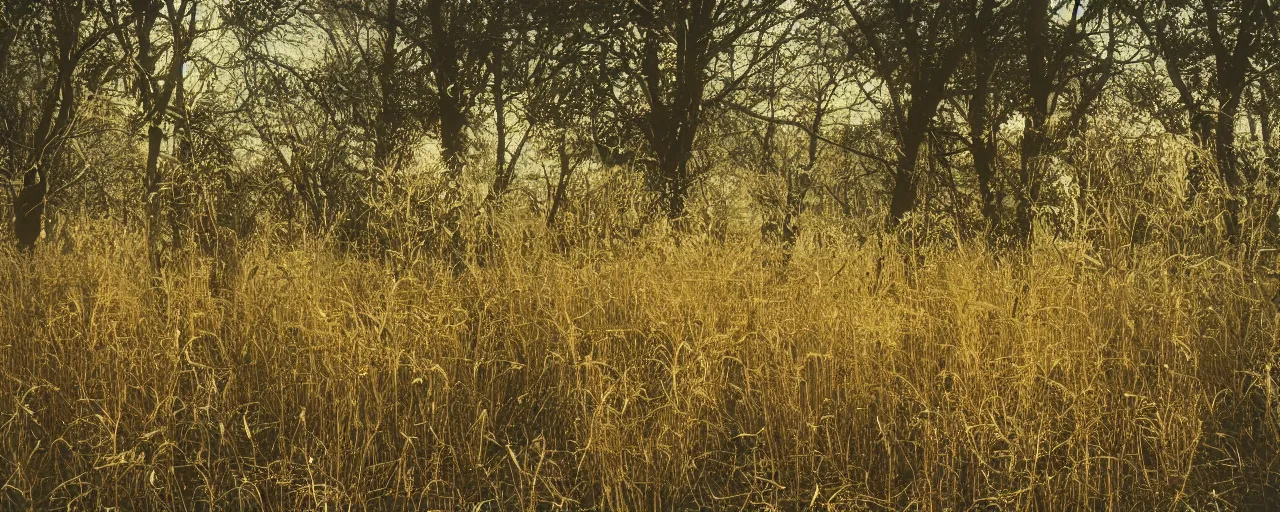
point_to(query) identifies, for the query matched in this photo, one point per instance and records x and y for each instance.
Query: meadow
(669, 372)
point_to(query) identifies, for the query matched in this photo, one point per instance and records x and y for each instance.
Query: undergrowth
(667, 373)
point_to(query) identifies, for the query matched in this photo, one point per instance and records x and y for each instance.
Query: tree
(1207, 49)
(913, 48)
(53, 54)
(452, 39)
(1040, 85)
(539, 64)
(787, 109)
(988, 100)
(685, 58)
(155, 86)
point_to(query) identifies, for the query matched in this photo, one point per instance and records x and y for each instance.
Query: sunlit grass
(653, 376)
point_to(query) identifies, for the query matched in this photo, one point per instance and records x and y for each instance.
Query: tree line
(173, 114)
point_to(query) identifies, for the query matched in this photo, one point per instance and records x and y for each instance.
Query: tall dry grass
(651, 376)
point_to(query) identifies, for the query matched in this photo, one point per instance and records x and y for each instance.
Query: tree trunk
(1232, 70)
(1228, 167)
(30, 203)
(562, 185)
(155, 101)
(453, 149)
(183, 193)
(384, 130)
(798, 185)
(501, 179)
(1033, 134)
(452, 140)
(904, 177)
(28, 207)
(1201, 124)
(1202, 128)
(983, 152)
(443, 53)
(452, 107)
(1029, 181)
(674, 149)
(671, 126)
(981, 134)
(153, 202)
(1270, 146)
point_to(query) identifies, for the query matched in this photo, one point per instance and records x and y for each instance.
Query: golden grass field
(657, 375)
